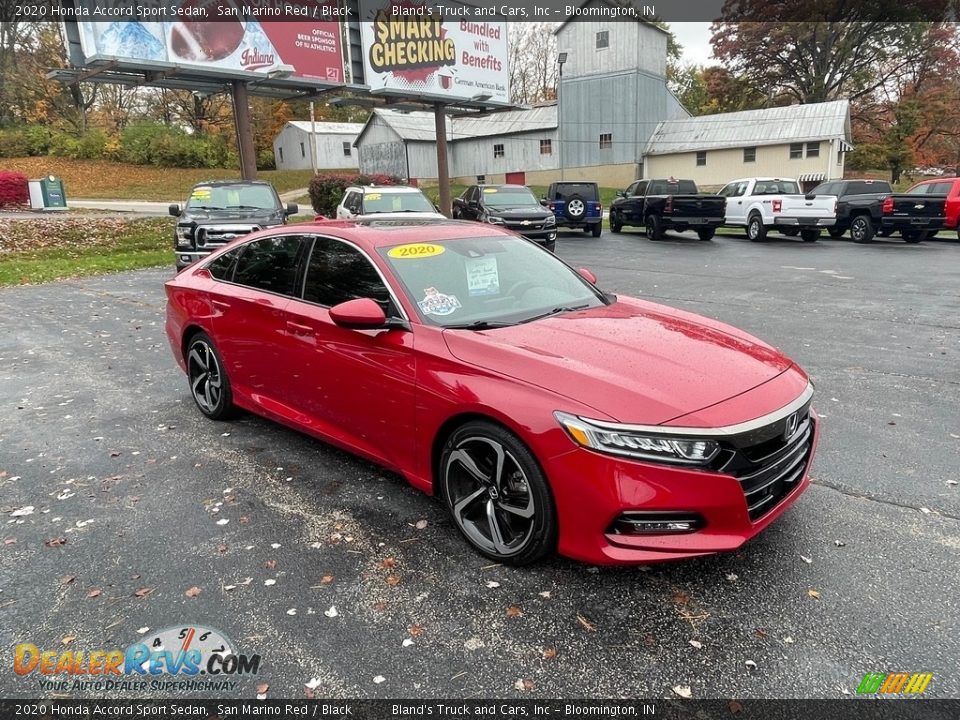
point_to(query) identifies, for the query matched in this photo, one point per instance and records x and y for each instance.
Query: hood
(401, 216)
(632, 361)
(524, 212)
(197, 215)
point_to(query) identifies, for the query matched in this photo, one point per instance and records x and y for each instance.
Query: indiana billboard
(422, 54)
(224, 41)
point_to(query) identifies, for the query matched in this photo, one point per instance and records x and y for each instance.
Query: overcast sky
(695, 38)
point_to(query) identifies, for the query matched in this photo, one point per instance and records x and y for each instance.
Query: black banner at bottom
(845, 709)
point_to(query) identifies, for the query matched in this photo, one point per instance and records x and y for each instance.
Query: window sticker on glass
(489, 190)
(436, 303)
(415, 250)
(201, 192)
(482, 276)
(373, 196)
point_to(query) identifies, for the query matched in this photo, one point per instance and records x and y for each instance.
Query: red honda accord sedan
(547, 414)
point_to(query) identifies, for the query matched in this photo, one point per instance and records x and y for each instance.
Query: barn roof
(329, 128)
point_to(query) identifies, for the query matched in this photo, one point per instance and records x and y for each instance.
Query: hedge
(326, 191)
(13, 189)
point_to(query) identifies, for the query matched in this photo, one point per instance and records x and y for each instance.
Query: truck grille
(519, 226)
(213, 236)
(768, 471)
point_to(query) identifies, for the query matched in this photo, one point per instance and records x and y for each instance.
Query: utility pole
(313, 140)
(241, 114)
(443, 172)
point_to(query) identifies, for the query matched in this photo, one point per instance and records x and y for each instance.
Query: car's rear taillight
(888, 206)
(777, 205)
(668, 205)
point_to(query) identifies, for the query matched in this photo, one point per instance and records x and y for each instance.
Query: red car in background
(547, 414)
(943, 186)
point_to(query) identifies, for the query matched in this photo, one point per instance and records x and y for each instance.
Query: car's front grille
(213, 236)
(525, 225)
(769, 470)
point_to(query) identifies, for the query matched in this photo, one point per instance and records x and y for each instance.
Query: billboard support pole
(443, 172)
(241, 117)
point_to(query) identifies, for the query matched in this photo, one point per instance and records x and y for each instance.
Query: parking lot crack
(883, 501)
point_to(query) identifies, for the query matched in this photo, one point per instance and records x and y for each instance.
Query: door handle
(298, 329)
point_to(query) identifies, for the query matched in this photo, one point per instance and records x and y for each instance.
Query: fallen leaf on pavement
(143, 592)
(327, 579)
(734, 707)
(680, 597)
(387, 563)
(379, 679)
(524, 684)
(814, 594)
(549, 653)
(262, 688)
(587, 625)
(55, 542)
(421, 524)
(697, 644)
(95, 592)
(393, 580)
(221, 548)
(68, 639)
(806, 559)
(244, 520)
(415, 630)
(514, 611)
(67, 579)
(683, 691)
(270, 564)
(193, 592)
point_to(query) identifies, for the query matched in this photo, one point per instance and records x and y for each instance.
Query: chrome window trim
(695, 432)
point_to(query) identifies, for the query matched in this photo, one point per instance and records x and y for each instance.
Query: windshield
(224, 197)
(776, 187)
(495, 280)
(507, 198)
(387, 202)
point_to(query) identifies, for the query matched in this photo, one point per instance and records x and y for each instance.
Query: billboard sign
(233, 45)
(422, 54)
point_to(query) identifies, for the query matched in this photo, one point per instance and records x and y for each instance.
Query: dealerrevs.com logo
(176, 658)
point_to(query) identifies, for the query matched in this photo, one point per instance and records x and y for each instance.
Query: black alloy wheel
(209, 383)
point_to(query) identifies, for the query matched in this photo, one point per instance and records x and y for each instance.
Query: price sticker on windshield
(373, 196)
(201, 192)
(415, 250)
(489, 190)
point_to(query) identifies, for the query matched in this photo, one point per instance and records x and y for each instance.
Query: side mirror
(587, 275)
(622, 193)
(436, 207)
(174, 210)
(544, 202)
(292, 209)
(360, 314)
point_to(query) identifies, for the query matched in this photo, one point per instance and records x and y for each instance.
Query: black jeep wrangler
(576, 205)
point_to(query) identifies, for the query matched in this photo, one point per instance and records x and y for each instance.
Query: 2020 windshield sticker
(482, 276)
(415, 250)
(436, 303)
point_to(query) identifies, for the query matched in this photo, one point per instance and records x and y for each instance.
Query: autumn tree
(533, 62)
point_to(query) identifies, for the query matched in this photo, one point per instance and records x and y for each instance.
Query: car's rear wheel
(497, 494)
(809, 234)
(914, 236)
(756, 230)
(597, 229)
(861, 229)
(654, 227)
(209, 383)
(790, 231)
(706, 233)
(836, 232)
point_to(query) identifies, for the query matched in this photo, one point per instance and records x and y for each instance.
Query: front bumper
(593, 490)
(186, 258)
(805, 221)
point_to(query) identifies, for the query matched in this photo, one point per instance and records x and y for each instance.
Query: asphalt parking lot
(130, 486)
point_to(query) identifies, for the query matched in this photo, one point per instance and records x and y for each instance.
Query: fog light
(656, 523)
(185, 258)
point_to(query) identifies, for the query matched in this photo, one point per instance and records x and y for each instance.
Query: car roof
(929, 181)
(373, 233)
(216, 183)
(764, 179)
(502, 185)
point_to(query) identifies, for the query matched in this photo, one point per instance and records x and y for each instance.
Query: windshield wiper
(480, 325)
(557, 311)
(245, 207)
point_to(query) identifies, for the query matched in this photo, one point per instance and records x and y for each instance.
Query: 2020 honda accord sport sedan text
(547, 414)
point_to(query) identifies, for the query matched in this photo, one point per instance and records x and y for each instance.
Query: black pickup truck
(869, 207)
(660, 205)
(217, 212)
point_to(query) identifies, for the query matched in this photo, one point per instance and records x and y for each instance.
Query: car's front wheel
(209, 383)
(616, 222)
(756, 230)
(497, 494)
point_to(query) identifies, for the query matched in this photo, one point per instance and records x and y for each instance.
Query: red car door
(354, 386)
(249, 324)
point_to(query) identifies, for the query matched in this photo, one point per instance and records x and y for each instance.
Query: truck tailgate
(799, 207)
(697, 206)
(917, 206)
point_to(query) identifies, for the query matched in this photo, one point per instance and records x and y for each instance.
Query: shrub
(63, 145)
(266, 161)
(91, 145)
(13, 189)
(136, 140)
(14, 143)
(326, 191)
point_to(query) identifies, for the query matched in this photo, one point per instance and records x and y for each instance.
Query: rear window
(665, 187)
(862, 187)
(588, 191)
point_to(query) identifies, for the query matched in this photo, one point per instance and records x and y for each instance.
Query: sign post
(241, 115)
(443, 171)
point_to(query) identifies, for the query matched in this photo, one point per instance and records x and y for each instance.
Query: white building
(807, 142)
(333, 143)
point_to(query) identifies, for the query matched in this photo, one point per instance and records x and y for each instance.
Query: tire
(597, 229)
(836, 232)
(914, 236)
(810, 234)
(931, 234)
(576, 208)
(706, 233)
(861, 229)
(209, 384)
(756, 230)
(654, 227)
(616, 222)
(510, 519)
(586, 229)
(790, 231)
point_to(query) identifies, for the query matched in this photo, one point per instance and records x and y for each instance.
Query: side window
(338, 272)
(641, 189)
(270, 264)
(474, 193)
(222, 267)
(919, 190)
(741, 189)
(727, 190)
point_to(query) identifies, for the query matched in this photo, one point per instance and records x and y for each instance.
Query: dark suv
(217, 212)
(576, 205)
(511, 206)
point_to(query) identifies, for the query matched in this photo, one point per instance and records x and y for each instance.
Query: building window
(603, 39)
(481, 179)
(839, 157)
(701, 158)
(498, 151)
(749, 154)
(606, 141)
(281, 154)
(796, 151)
(813, 149)
(346, 149)
(546, 146)
(303, 151)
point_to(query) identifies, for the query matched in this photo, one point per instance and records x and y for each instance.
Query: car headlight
(494, 220)
(184, 234)
(645, 446)
(551, 220)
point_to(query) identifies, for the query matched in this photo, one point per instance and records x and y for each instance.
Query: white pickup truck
(759, 204)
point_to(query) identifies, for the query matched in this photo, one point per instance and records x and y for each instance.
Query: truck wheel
(791, 231)
(706, 233)
(914, 236)
(616, 223)
(861, 229)
(836, 232)
(654, 227)
(756, 230)
(809, 235)
(597, 229)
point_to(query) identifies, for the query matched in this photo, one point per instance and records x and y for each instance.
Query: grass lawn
(96, 179)
(40, 250)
